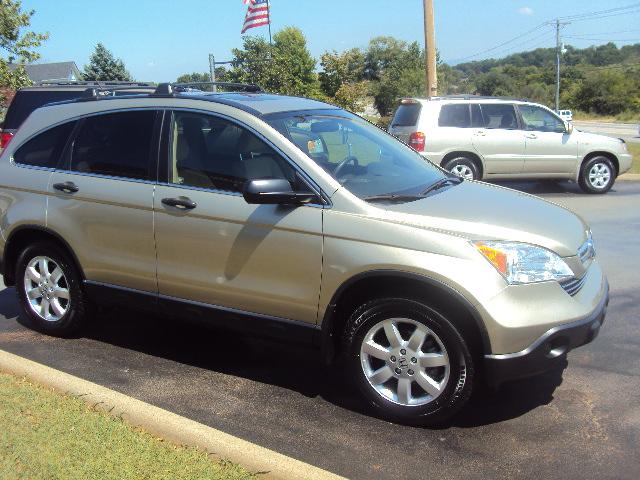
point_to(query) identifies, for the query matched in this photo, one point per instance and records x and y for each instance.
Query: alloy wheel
(462, 171)
(46, 289)
(599, 175)
(405, 362)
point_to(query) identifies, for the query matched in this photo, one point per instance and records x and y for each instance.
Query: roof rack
(93, 83)
(476, 97)
(171, 89)
(98, 92)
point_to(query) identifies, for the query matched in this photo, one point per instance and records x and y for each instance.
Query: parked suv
(291, 218)
(27, 99)
(489, 138)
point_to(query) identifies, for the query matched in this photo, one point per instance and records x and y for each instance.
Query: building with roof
(40, 72)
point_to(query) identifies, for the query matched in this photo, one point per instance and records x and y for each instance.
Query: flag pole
(269, 20)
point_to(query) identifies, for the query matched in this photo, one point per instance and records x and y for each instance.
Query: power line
(606, 16)
(592, 39)
(622, 11)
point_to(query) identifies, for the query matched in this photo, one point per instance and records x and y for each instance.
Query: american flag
(257, 14)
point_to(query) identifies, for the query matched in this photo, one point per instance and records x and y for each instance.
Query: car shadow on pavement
(294, 367)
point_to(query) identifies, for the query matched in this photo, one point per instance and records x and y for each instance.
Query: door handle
(481, 133)
(532, 136)
(66, 187)
(182, 203)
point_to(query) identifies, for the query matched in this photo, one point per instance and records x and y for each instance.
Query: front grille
(573, 285)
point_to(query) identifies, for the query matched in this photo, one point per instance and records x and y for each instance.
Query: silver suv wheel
(599, 175)
(462, 171)
(407, 372)
(46, 289)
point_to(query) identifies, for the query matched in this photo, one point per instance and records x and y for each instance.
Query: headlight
(524, 263)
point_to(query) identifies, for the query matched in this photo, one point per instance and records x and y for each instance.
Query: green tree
(103, 66)
(397, 69)
(17, 44)
(287, 68)
(341, 68)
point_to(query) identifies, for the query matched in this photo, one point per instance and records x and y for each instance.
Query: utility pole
(430, 46)
(212, 70)
(559, 53)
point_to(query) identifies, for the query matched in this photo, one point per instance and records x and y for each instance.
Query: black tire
(455, 391)
(463, 162)
(77, 306)
(590, 186)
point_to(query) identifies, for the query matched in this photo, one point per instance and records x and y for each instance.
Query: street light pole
(430, 46)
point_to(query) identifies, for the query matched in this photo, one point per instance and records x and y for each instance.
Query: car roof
(466, 98)
(259, 103)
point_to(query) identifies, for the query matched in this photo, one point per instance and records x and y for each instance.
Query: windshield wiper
(393, 198)
(443, 183)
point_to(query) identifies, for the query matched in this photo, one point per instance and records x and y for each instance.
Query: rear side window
(406, 115)
(45, 149)
(454, 116)
(499, 116)
(115, 144)
(26, 101)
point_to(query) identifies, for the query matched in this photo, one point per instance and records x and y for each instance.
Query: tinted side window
(213, 153)
(45, 149)
(406, 115)
(541, 120)
(115, 144)
(499, 116)
(454, 116)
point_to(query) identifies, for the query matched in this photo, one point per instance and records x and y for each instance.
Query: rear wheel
(597, 175)
(49, 290)
(409, 362)
(464, 167)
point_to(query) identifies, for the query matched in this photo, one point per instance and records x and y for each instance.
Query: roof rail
(93, 83)
(171, 89)
(476, 97)
(96, 93)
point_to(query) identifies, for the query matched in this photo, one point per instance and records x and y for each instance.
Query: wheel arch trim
(8, 268)
(328, 321)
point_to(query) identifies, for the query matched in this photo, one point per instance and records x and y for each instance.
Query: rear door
(549, 148)
(101, 199)
(499, 139)
(405, 120)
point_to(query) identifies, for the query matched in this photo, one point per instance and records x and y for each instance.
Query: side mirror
(274, 191)
(568, 127)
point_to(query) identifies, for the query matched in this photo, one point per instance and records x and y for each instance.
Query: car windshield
(363, 158)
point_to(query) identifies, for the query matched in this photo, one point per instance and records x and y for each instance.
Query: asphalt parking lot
(583, 422)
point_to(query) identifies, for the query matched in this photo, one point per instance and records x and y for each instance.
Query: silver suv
(494, 139)
(291, 218)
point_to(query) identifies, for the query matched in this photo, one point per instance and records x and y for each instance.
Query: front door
(216, 249)
(549, 148)
(499, 141)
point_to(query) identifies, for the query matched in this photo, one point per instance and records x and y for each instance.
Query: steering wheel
(344, 163)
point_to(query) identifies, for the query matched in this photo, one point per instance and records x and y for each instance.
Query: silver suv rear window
(406, 115)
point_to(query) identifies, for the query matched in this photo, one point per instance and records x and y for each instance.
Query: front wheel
(597, 175)
(409, 362)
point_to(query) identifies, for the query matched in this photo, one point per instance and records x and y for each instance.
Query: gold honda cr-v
(291, 218)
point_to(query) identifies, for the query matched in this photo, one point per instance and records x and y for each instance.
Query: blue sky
(161, 39)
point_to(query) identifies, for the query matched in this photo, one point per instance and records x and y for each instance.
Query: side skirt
(253, 324)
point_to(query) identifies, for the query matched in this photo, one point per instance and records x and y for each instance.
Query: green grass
(634, 149)
(624, 117)
(45, 435)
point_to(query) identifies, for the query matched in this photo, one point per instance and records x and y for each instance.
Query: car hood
(480, 211)
(587, 138)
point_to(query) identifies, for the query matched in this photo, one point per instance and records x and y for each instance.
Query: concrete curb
(629, 177)
(164, 424)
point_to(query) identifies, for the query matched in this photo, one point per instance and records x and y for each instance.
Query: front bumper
(549, 351)
(625, 161)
